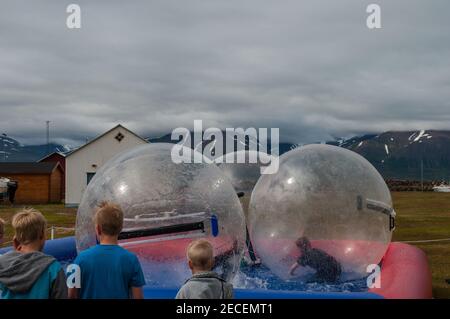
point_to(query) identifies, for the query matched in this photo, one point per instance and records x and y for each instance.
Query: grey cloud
(311, 68)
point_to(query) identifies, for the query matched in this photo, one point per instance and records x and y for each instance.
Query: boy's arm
(73, 293)
(137, 280)
(181, 294)
(229, 292)
(294, 268)
(136, 293)
(59, 286)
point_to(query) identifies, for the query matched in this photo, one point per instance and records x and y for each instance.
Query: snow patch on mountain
(421, 134)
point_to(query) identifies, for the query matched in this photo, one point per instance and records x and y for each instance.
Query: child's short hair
(29, 225)
(201, 253)
(109, 217)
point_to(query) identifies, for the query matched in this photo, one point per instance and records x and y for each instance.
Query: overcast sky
(311, 68)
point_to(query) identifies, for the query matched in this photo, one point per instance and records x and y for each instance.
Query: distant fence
(411, 186)
(59, 230)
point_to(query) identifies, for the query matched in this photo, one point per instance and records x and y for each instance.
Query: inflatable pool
(404, 274)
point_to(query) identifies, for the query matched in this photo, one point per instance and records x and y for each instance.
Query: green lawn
(426, 216)
(420, 216)
(56, 214)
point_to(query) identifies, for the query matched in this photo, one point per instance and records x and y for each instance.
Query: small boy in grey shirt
(204, 283)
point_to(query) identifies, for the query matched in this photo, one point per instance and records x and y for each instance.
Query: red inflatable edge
(405, 273)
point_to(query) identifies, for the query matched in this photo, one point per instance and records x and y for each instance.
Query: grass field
(426, 216)
(420, 216)
(56, 215)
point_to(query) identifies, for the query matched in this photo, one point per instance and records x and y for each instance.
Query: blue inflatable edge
(64, 249)
(170, 293)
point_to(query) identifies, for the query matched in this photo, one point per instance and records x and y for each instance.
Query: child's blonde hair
(29, 226)
(109, 217)
(201, 254)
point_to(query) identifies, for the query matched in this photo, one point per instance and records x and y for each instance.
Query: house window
(89, 177)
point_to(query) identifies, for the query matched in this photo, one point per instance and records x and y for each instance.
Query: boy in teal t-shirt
(108, 271)
(26, 272)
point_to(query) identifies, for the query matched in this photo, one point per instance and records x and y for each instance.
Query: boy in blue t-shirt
(108, 271)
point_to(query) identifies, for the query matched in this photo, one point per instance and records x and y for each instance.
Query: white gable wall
(91, 157)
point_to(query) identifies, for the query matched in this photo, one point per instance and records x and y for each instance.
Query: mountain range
(12, 150)
(405, 155)
(396, 155)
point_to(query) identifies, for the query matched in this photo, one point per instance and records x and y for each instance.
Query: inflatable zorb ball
(166, 206)
(333, 197)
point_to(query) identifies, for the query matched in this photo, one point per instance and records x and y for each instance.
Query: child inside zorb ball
(327, 212)
(326, 266)
(166, 206)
